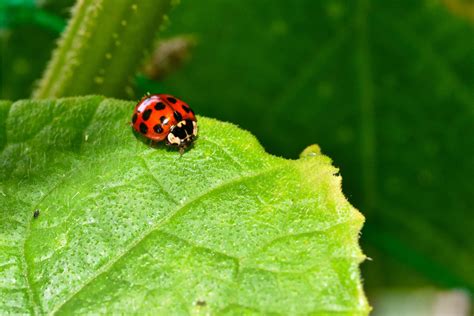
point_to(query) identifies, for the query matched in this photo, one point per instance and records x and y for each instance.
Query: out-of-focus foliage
(28, 31)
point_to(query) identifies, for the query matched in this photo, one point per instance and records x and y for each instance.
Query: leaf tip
(311, 151)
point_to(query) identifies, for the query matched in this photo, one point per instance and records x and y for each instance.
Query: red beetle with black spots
(161, 117)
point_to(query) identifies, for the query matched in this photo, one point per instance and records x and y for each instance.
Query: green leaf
(385, 87)
(102, 47)
(29, 29)
(123, 227)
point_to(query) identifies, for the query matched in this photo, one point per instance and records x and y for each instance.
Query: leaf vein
(89, 123)
(201, 246)
(26, 270)
(106, 267)
(302, 234)
(234, 159)
(168, 195)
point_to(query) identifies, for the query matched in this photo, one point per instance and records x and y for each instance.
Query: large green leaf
(124, 227)
(28, 30)
(385, 87)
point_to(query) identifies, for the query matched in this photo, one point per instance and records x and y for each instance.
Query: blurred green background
(386, 88)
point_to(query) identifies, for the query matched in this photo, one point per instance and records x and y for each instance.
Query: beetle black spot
(179, 132)
(163, 119)
(143, 128)
(177, 116)
(189, 127)
(172, 100)
(158, 129)
(160, 106)
(186, 108)
(134, 118)
(146, 114)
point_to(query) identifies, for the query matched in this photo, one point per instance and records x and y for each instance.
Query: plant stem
(102, 47)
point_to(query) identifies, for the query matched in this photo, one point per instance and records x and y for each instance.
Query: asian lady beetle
(161, 117)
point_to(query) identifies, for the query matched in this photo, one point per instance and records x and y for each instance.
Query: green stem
(102, 47)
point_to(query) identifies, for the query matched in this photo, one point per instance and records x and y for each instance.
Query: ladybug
(161, 117)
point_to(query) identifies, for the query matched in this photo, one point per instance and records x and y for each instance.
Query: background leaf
(28, 31)
(124, 227)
